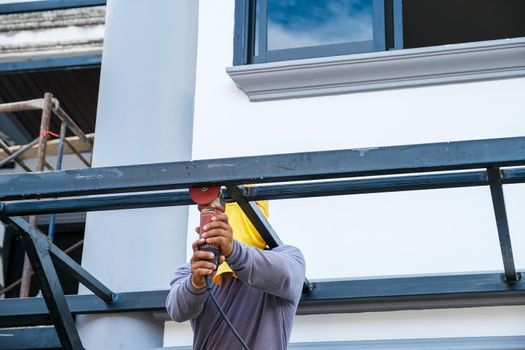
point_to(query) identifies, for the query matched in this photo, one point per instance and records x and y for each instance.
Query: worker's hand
(219, 233)
(200, 267)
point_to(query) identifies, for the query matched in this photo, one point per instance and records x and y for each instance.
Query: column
(145, 115)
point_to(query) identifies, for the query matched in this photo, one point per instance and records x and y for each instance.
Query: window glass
(442, 22)
(278, 30)
(305, 23)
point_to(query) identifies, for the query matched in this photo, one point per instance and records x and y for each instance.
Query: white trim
(496, 59)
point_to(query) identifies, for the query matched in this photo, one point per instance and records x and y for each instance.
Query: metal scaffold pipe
(18, 153)
(41, 162)
(29, 105)
(5, 148)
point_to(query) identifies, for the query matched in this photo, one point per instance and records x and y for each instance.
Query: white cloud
(341, 28)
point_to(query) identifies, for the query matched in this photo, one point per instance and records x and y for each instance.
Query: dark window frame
(390, 29)
(387, 35)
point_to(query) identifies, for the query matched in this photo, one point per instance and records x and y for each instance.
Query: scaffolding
(49, 106)
(491, 163)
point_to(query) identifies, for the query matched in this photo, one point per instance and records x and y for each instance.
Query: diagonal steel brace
(41, 253)
(37, 250)
(498, 201)
(259, 221)
(77, 271)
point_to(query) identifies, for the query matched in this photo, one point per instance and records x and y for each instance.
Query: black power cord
(208, 288)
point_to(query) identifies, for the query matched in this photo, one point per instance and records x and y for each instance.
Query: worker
(258, 289)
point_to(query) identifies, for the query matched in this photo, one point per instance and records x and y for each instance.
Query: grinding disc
(204, 195)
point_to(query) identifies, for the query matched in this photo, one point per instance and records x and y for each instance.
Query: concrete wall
(439, 231)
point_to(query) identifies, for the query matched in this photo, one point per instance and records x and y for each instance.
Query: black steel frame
(42, 253)
(454, 164)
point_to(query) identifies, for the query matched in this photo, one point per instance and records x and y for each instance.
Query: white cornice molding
(497, 59)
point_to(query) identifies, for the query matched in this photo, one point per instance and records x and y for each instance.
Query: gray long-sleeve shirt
(261, 303)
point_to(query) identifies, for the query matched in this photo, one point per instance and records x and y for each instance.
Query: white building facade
(178, 57)
(437, 231)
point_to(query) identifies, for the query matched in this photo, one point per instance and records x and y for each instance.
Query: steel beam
(259, 221)
(44, 338)
(269, 192)
(77, 271)
(412, 293)
(17, 282)
(512, 176)
(82, 275)
(327, 297)
(265, 169)
(372, 185)
(257, 218)
(21, 312)
(39, 250)
(52, 291)
(99, 203)
(353, 295)
(498, 201)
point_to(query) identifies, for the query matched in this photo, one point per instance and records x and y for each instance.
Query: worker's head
(243, 230)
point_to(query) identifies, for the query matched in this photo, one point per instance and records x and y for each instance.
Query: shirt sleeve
(184, 301)
(279, 272)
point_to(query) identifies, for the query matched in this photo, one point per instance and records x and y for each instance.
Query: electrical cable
(208, 288)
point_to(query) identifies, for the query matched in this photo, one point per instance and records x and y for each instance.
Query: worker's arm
(188, 293)
(280, 271)
(184, 301)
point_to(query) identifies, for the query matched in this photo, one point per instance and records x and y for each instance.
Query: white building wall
(438, 231)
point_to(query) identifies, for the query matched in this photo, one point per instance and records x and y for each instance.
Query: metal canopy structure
(397, 168)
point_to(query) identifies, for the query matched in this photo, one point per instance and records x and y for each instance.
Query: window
(279, 30)
(303, 28)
